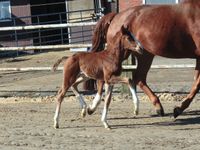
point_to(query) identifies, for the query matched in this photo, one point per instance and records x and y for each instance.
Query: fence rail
(45, 47)
(36, 31)
(125, 67)
(62, 25)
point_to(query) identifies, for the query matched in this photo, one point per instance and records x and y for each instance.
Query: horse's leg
(132, 88)
(195, 88)
(97, 100)
(197, 69)
(61, 95)
(68, 80)
(74, 88)
(106, 105)
(144, 64)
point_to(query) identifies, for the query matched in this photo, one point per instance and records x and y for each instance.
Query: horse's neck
(192, 2)
(117, 54)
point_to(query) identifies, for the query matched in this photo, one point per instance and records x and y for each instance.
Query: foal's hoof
(56, 126)
(108, 128)
(83, 112)
(136, 112)
(177, 111)
(89, 111)
(160, 112)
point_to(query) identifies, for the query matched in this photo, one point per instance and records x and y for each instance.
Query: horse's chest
(113, 69)
(93, 71)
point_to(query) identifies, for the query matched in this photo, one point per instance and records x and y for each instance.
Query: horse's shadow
(172, 122)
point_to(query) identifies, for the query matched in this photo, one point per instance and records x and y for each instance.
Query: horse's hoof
(89, 111)
(83, 113)
(108, 128)
(136, 113)
(160, 112)
(56, 126)
(177, 111)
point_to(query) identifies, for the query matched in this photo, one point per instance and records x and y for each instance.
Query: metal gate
(83, 11)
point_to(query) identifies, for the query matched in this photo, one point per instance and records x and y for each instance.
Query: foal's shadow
(173, 122)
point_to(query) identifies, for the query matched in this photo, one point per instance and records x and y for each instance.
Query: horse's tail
(56, 64)
(100, 31)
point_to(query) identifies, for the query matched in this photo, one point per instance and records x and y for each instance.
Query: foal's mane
(116, 41)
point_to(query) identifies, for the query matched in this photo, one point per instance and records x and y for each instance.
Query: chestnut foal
(104, 66)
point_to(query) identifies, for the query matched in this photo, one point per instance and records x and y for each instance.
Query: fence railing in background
(49, 26)
(45, 36)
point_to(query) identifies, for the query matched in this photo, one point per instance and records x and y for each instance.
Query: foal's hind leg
(97, 100)
(74, 88)
(69, 79)
(195, 88)
(60, 98)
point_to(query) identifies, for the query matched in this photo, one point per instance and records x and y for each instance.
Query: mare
(104, 66)
(171, 31)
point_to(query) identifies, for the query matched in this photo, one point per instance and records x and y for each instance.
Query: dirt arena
(27, 106)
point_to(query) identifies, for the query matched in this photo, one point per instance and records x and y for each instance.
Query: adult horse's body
(171, 31)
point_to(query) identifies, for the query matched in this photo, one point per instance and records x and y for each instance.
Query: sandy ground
(27, 105)
(28, 124)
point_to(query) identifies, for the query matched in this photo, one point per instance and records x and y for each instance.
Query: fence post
(16, 40)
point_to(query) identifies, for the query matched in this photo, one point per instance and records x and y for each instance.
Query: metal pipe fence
(37, 34)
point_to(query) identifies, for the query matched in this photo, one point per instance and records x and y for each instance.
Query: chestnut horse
(171, 31)
(103, 66)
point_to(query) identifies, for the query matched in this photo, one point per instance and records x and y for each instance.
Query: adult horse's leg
(195, 88)
(144, 64)
(97, 100)
(106, 105)
(74, 88)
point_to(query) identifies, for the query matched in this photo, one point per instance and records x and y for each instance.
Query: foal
(104, 66)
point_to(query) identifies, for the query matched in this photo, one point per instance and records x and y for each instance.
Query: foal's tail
(100, 31)
(56, 64)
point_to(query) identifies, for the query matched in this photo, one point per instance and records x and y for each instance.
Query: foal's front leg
(106, 105)
(132, 88)
(97, 100)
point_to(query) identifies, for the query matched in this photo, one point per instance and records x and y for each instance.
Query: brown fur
(171, 31)
(104, 66)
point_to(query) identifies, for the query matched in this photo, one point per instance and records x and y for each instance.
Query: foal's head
(125, 41)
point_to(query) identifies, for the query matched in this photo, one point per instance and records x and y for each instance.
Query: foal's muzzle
(139, 50)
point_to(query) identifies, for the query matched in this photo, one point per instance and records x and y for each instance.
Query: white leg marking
(96, 101)
(81, 101)
(56, 117)
(106, 105)
(106, 89)
(135, 99)
(83, 105)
